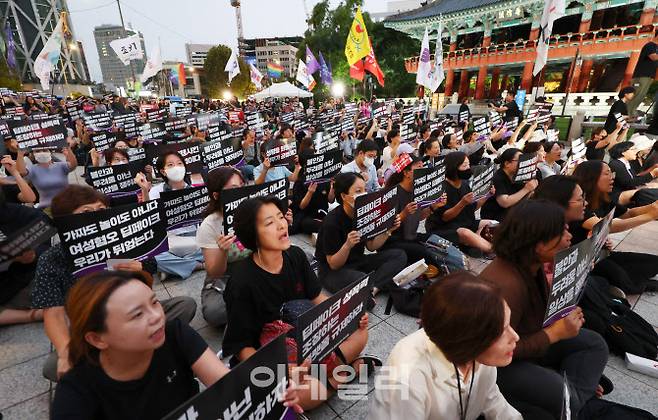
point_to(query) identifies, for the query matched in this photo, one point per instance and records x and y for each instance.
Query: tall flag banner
(256, 76)
(129, 48)
(372, 66)
(553, 10)
(274, 70)
(358, 43)
(303, 76)
(181, 74)
(437, 74)
(49, 55)
(424, 66)
(312, 64)
(153, 65)
(357, 71)
(325, 72)
(172, 75)
(232, 66)
(10, 46)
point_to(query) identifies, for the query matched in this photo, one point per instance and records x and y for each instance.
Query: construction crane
(238, 22)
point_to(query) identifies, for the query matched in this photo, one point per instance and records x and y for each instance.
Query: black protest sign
(184, 207)
(532, 115)
(121, 120)
(324, 141)
(152, 131)
(429, 184)
(282, 155)
(323, 327)
(570, 272)
(45, 134)
(482, 180)
(322, 167)
(156, 115)
(182, 111)
(137, 157)
(408, 116)
(578, 149)
(221, 153)
(175, 124)
(495, 119)
(251, 390)
(191, 154)
(621, 119)
(481, 126)
(527, 169)
(600, 233)
(407, 133)
(114, 180)
(97, 121)
(512, 124)
(4, 128)
(205, 120)
(375, 212)
(231, 198)
(135, 231)
(463, 117)
(74, 109)
(102, 140)
(544, 116)
(28, 237)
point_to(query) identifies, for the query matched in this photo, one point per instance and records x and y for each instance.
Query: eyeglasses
(579, 200)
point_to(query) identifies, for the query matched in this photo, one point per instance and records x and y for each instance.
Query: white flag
(256, 76)
(437, 75)
(127, 49)
(553, 10)
(153, 65)
(49, 56)
(302, 74)
(232, 66)
(424, 66)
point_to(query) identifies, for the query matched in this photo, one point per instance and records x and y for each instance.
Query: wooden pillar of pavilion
(482, 73)
(495, 82)
(450, 74)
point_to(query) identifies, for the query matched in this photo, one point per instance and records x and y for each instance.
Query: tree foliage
(215, 79)
(8, 78)
(327, 34)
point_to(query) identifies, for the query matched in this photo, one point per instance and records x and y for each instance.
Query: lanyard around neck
(463, 410)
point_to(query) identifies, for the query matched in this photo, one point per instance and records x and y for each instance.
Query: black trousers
(385, 263)
(630, 271)
(535, 388)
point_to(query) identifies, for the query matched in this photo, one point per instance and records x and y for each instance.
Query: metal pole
(572, 69)
(123, 25)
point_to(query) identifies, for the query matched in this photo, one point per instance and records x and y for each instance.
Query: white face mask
(369, 161)
(43, 157)
(175, 174)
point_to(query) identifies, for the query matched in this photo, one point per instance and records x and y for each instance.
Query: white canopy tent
(281, 90)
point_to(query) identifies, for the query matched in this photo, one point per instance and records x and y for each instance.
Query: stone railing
(591, 103)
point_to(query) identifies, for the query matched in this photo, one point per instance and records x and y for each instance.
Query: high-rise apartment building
(197, 53)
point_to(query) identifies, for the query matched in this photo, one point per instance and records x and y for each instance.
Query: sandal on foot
(371, 362)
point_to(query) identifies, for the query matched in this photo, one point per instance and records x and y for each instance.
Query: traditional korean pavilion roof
(439, 7)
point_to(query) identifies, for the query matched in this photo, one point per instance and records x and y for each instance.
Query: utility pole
(125, 35)
(238, 23)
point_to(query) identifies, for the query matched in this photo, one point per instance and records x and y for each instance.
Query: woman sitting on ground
(466, 335)
(340, 250)
(47, 176)
(602, 141)
(275, 274)
(552, 153)
(430, 151)
(456, 220)
(623, 158)
(128, 361)
(530, 236)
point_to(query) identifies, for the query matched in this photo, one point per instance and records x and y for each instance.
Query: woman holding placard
(531, 235)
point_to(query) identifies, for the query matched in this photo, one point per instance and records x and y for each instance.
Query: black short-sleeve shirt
(512, 110)
(465, 218)
(646, 67)
(254, 296)
(504, 186)
(333, 234)
(87, 392)
(619, 107)
(592, 153)
(319, 199)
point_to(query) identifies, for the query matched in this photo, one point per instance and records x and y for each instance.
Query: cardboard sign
(221, 153)
(156, 115)
(482, 180)
(527, 167)
(184, 207)
(46, 134)
(114, 180)
(97, 121)
(152, 131)
(375, 212)
(429, 184)
(322, 328)
(190, 152)
(322, 167)
(231, 198)
(251, 390)
(102, 140)
(28, 237)
(282, 155)
(324, 141)
(135, 231)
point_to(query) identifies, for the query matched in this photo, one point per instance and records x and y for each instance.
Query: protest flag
(424, 67)
(358, 44)
(303, 76)
(312, 64)
(274, 70)
(372, 66)
(232, 66)
(325, 71)
(437, 75)
(49, 55)
(553, 10)
(181, 75)
(10, 46)
(129, 48)
(357, 71)
(256, 76)
(153, 65)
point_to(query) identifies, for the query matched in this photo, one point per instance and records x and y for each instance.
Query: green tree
(8, 78)
(215, 79)
(327, 33)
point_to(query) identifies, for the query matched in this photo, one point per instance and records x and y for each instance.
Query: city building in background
(281, 51)
(197, 53)
(115, 73)
(179, 79)
(32, 22)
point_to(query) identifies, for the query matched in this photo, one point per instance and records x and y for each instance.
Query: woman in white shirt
(391, 151)
(448, 369)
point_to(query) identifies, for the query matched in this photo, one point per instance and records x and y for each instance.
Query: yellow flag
(357, 45)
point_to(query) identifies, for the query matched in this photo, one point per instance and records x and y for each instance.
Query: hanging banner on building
(482, 181)
(134, 231)
(97, 121)
(232, 198)
(429, 184)
(322, 167)
(251, 390)
(527, 169)
(375, 212)
(190, 152)
(26, 238)
(184, 207)
(45, 134)
(114, 180)
(326, 325)
(129, 48)
(221, 153)
(282, 155)
(102, 140)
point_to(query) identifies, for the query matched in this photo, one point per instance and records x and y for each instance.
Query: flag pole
(572, 69)
(123, 25)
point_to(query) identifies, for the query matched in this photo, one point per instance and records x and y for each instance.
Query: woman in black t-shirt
(602, 141)
(456, 220)
(128, 362)
(637, 269)
(310, 202)
(274, 274)
(508, 193)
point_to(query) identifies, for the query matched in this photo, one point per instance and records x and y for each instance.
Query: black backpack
(599, 409)
(407, 300)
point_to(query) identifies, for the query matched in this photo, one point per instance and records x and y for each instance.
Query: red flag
(356, 71)
(181, 74)
(373, 67)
